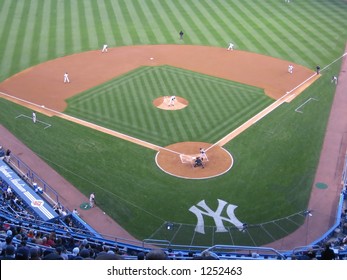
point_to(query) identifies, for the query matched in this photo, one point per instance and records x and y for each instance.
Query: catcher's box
(187, 158)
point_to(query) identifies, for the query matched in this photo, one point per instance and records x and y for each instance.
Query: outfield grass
(275, 160)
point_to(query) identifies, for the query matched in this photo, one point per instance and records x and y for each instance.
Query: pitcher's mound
(179, 160)
(164, 103)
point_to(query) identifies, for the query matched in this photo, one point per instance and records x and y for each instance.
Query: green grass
(125, 105)
(275, 160)
(137, 194)
(307, 32)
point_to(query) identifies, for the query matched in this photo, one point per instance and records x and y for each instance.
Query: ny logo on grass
(216, 215)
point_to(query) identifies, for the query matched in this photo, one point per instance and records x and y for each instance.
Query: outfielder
(34, 117)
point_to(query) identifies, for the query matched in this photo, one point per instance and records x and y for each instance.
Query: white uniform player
(231, 47)
(290, 69)
(66, 78)
(203, 154)
(104, 48)
(172, 100)
(34, 117)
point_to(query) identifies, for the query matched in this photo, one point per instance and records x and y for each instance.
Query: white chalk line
(47, 125)
(308, 100)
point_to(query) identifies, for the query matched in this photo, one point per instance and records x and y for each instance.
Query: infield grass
(125, 104)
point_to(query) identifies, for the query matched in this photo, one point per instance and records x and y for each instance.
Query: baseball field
(266, 186)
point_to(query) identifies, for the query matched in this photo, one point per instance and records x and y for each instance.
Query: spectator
(141, 256)
(85, 254)
(75, 253)
(52, 256)
(9, 253)
(311, 254)
(2, 152)
(34, 254)
(106, 256)
(38, 238)
(6, 243)
(45, 242)
(22, 253)
(30, 235)
(328, 253)
(208, 255)
(8, 155)
(9, 233)
(61, 251)
(156, 254)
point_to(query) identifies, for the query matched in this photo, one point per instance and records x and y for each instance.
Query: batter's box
(45, 125)
(298, 110)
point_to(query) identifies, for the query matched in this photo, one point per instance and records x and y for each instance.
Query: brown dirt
(169, 160)
(43, 85)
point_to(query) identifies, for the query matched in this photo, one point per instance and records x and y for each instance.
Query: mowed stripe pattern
(125, 104)
(306, 32)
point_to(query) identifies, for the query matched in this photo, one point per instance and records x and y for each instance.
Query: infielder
(231, 47)
(66, 78)
(290, 69)
(104, 48)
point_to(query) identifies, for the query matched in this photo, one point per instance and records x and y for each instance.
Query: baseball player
(334, 80)
(318, 69)
(172, 100)
(199, 162)
(34, 117)
(104, 48)
(290, 69)
(203, 154)
(181, 35)
(92, 200)
(66, 78)
(231, 47)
